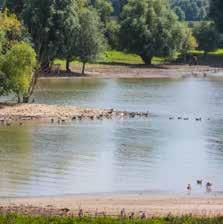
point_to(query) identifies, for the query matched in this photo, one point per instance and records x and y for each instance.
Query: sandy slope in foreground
(153, 205)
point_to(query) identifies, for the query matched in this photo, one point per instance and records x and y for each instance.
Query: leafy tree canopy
(216, 13)
(191, 10)
(90, 39)
(17, 68)
(207, 36)
(150, 28)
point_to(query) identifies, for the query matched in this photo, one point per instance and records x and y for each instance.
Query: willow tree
(149, 28)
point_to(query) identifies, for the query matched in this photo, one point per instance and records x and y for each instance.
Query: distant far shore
(112, 204)
(138, 71)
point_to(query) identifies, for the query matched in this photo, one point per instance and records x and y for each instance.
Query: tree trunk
(18, 98)
(32, 86)
(25, 99)
(147, 59)
(83, 68)
(68, 65)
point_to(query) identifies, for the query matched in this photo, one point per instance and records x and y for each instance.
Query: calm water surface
(155, 154)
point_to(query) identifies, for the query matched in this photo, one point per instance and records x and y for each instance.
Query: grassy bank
(118, 57)
(19, 219)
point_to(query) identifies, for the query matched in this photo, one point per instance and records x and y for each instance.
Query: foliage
(39, 17)
(193, 10)
(18, 65)
(14, 6)
(112, 34)
(67, 29)
(104, 9)
(18, 219)
(150, 28)
(90, 39)
(207, 36)
(189, 42)
(216, 9)
(12, 29)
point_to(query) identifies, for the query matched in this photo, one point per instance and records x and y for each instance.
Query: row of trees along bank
(33, 33)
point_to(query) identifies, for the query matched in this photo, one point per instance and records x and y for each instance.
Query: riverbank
(59, 113)
(111, 205)
(138, 71)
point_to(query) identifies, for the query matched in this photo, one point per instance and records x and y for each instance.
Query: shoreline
(59, 114)
(111, 204)
(138, 71)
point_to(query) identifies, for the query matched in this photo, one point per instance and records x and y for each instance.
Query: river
(152, 154)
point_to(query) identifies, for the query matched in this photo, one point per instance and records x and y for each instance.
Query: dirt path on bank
(152, 205)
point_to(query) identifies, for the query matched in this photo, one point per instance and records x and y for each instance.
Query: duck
(122, 213)
(198, 119)
(171, 118)
(199, 182)
(80, 213)
(186, 118)
(189, 188)
(143, 215)
(131, 215)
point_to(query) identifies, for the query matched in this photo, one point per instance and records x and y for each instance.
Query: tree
(12, 29)
(179, 12)
(216, 9)
(194, 10)
(112, 34)
(150, 28)
(17, 69)
(67, 29)
(189, 43)
(207, 36)
(104, 9)
(14, 6)
(90, 39)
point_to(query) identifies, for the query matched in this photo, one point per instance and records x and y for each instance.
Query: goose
(122, 213)
(208, 187)
(143, 215)
(80, 213)
(189, 188)
(131, 215)
(198, 119)
(200, 182)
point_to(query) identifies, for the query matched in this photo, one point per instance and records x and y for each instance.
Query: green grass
(218, 52)
(19, 219)
(115, 58)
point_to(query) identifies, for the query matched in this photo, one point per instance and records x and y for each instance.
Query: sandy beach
(111, 204)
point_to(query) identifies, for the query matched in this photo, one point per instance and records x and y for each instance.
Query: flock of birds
(123, 214)
(208, 186)
(187, 118)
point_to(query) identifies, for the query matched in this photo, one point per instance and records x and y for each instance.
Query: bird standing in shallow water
(189, 189)
(199, 182)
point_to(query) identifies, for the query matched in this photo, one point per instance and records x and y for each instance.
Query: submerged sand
(112, 204)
